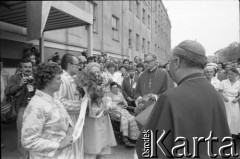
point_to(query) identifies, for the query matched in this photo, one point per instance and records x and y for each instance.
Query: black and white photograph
(123, 79)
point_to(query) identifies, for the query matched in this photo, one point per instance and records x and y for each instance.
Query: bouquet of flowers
(94, 84)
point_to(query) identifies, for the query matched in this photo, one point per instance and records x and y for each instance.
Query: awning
(39, 16)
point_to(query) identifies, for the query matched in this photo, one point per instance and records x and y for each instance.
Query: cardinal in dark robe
(152, 82)
(188, 121)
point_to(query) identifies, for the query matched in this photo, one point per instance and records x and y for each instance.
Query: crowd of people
(49, 96)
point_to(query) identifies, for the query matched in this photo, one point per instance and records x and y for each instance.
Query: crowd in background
(224, 77)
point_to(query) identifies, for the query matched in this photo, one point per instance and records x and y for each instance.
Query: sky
(214, 24)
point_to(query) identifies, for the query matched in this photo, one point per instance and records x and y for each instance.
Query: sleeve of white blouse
(31, 136)
(69, 105)
(220, 86)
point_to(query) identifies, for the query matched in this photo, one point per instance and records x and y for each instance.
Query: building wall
(75, 39)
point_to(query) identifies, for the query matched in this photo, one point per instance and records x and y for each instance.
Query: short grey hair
(152, 56)
(191, 60)
(91, 65)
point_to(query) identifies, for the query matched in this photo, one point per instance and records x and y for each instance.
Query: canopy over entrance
(41, 16)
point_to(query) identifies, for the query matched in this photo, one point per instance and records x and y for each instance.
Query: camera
(29, 79)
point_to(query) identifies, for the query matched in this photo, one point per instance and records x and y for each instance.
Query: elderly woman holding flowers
(97, 132)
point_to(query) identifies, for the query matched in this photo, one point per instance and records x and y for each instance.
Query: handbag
(6, 105)
(8, 108)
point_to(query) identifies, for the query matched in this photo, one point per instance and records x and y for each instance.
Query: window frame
(92, 9)
(155, 26)
(149, 46)
(95, 24)
(130, 5)
(143, 16)
(130, 38)
(137, 42)
(138, 9)
(143, 45)
(149, 21)
(115, 29)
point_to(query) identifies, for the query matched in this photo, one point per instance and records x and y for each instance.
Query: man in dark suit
(129, 85)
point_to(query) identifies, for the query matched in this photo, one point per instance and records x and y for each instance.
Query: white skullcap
(214, 65)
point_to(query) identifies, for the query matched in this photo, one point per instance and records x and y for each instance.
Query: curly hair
(111, 64)
(56, 58)
(45, 73)
(234, 70)
(126, 60)
(113, 84)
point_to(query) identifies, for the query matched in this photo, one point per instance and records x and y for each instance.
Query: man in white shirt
(69, 96)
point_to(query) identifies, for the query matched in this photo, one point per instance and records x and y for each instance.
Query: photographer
(21, 87)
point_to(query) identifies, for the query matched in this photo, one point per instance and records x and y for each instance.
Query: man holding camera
(21, 87)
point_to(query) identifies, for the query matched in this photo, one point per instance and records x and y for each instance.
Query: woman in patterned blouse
(47, 128)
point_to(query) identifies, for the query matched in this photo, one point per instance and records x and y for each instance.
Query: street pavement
(9, 139)
(9, 151)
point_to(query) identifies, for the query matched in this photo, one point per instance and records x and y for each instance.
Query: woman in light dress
(230, 90)
(97, 132)
(129, 126)
(112, 75)
(210, 73)
(47, 127)
(124, 74)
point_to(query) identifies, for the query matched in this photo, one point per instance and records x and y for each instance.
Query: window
(143, 45)
(155, 4)
(130, 38)
(92, 9)
(143, 16)
(149, 21)
(138, 8)
(130, 5)
(115, 28)
(95, 18)
(137, 42)
(155, 26)
(161, 33)
(148, 46)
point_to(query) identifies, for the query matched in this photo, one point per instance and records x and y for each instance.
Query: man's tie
(131, 82)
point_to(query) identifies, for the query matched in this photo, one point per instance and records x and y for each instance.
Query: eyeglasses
(147, 62)
(78, 64)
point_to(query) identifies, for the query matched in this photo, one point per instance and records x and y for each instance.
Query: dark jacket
(19, 92)
(127, 89)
